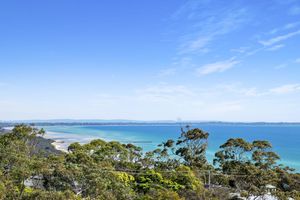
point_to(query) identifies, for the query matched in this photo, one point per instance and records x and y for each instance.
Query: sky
(150, 60)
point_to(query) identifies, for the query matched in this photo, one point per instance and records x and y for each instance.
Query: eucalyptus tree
(263, 156)
(235, 154)
(189, 149)
(97, 164)
(19, 160)
(249, 165)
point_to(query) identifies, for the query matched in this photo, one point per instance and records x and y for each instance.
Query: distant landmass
(4, 123)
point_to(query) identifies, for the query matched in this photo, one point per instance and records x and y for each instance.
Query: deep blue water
(284, 138)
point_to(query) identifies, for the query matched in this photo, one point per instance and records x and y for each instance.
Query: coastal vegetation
(176, 170)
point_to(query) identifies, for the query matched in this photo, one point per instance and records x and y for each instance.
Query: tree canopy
(112, 170)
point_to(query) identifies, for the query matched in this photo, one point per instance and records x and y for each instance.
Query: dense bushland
(111, 170)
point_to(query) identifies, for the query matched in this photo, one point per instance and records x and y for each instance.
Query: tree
(113, 171)
(262, 155)
(189, 149)
(96, 166)
(233, 156)
(19, 160)
(249, 165)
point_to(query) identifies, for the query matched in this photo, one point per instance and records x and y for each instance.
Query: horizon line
(136, 121)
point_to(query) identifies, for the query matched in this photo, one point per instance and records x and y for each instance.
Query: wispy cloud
(217, 67)
(206, 25)
(164, 92)
(179, 65)
(294, 10)
(167, 72)
(203, 26)
(297, 60)
(281, 66)
(251, 92)
(285, 89)
(237, 89)
(275, 47)
(240, 50)
(225, 107)
(285, 27)
(280, 38)
(291, 25)
(167, 101)
(197, 44)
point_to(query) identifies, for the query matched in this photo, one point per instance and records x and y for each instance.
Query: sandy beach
(59, 145)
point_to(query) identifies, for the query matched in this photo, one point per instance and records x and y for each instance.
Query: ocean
(285, 138)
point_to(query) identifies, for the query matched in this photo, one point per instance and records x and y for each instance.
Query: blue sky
(150, 60)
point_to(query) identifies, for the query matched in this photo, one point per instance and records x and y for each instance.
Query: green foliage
(189, 149)
(49, 195)
(252, 166)
(17, 160)
(238, 153)
(160, 194)
(192, 147)
(114, 171)
(125, 178)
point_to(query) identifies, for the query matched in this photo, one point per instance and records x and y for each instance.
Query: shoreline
(60, 142)
(57, 144)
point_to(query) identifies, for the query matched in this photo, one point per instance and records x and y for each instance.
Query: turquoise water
(285, 138)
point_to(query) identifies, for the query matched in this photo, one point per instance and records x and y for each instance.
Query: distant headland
(5, 123)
